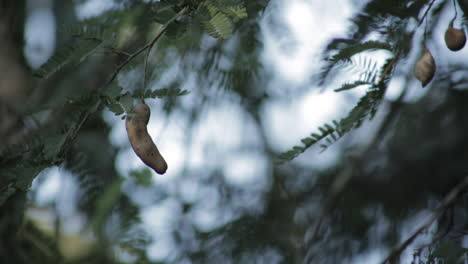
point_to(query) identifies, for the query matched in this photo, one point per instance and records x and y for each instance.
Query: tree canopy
(395, 191)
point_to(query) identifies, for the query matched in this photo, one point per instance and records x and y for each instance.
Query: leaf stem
(147, 46)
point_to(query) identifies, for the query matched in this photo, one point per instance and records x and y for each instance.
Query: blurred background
(230, 107)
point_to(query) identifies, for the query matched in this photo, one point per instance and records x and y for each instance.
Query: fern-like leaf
(349, 51)
(235, 12)
(164, 92)
(325, 131)
(68, 54)
(348, 86)
(219, 26)
(86, 31)
(365, 108)
(346, 50)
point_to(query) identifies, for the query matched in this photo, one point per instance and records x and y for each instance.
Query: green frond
(177, 29)
(333, 132)
(365, 108)
(83, 39)
(22, 176)
(163, 92)
(348, 86)
(53, 145)
(220, 16)
(212, 9)
(12, 152)
(369, 73)
(86, 31)
(346, 49)
(112, 91)
(219, 26)
(385, 72)
(38, 153)
(116, 107)
(349, 51)
(71, 54)
(119, 103)
(235, 12)
(338, 43)
(163, 12)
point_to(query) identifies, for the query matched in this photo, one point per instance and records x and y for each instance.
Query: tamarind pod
(425, 67)
(141, 141)
(455, 38)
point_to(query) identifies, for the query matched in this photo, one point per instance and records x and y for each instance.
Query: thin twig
(425, 13)
(147, 46)
(133, 55)
(455, 8)
(448, 201)
(144, 75)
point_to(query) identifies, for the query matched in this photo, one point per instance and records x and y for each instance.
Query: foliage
(101, 65)
(84, 44)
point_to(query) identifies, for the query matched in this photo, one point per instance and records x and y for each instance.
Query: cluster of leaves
(217, 18)
(373, 77)
(80, 43)
(90, 36)
(389, 21)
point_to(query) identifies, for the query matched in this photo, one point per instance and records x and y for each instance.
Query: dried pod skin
(141, 141)
(425, 67)
(455, 39)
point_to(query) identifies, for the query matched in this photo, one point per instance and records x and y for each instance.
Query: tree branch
(448, 201)
(149, 46)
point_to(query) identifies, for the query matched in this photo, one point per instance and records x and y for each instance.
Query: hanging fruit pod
(425, 67)
(455, 38)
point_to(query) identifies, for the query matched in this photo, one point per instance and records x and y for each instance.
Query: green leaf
(116, 108)
(176, 29)
(85, 31)
(351, 50)
(307, 141)
(67, 54)
(113, 91)
(6, 192)
(53, 145)
(316, 136)
(348, 86)
(163, 12)
(366, 107)
(344, 50)
(449, 251)
(165, 92)
(219, 26)
(126, 101)
(235, 12)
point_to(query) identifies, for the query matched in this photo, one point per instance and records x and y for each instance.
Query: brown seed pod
(141, 141)
(425, 67)
(455, 39)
